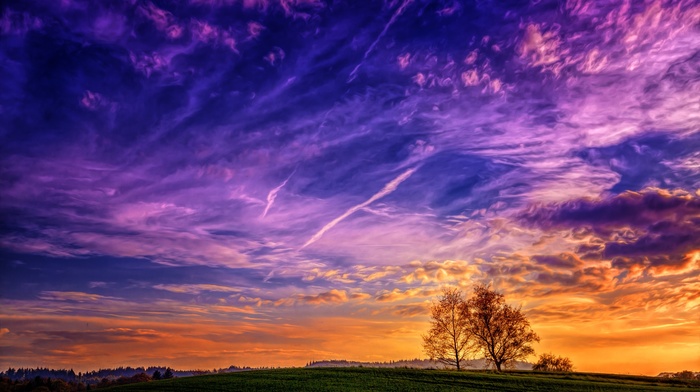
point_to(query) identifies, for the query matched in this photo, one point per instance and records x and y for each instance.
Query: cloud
(93, 101)
(275, 56)
(148, 64)
(72, 296)
(652, 231)
(539, 48)
(331, 275)
(205, 32)
(328, 297)
(4, 331)
(273, 194)
(195, 288)
(163, 20)
(59, 341)
(411, 310)
(399, 295)
(562, 260)
(18, 23)
(653, 160)
(392, 20)
(441, 272)
(360, 296)
(387, 189)
(254, 30)
(298, 9)
(233, 309)
(638, 209)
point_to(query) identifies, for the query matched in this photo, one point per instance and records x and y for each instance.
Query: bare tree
(448, 339)
(499, 330)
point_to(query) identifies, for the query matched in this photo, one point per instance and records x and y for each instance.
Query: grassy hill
(373, 379)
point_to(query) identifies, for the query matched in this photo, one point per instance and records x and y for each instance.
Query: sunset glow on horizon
(205, 183)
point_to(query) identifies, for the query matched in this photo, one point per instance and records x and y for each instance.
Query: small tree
(500, 331)
(157, 375)
(168, 373)
(448, 339)
(685, 375)
(552, 363)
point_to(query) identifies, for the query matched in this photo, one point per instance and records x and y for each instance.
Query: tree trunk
(457, 358)
(498, 366)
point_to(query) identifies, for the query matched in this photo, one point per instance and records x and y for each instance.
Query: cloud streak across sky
(302, 177)
(387, 189)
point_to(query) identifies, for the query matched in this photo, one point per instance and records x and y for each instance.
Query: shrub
(553, 363)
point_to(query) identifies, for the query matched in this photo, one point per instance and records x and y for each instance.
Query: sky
(205, 183)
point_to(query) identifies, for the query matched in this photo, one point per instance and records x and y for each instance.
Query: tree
(552, 363)
(500, 331)
(168, 373)
(448, 339)
(140, 377)
(157, 375)
(685, 375)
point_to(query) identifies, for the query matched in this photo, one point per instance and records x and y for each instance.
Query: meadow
(417, 380)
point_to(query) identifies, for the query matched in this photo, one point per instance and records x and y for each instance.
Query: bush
(552, 363)
(686, 375)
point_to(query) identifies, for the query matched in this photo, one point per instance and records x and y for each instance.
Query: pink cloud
(275, 56)
(541, 48)
(148, 64)
(163, 20)
(93, 101)
(254, 30)
(210, 34)
(403, 60)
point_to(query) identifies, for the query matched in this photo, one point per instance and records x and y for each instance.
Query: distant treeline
(28, 379)
(415, 363)
(684, 375)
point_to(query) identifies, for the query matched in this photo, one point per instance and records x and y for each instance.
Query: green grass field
(373, 379)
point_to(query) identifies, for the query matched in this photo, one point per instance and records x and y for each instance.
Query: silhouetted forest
(63, 380)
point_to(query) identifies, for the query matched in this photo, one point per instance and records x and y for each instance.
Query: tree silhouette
(448, 339)
(501, 332)
(157, 375)
(553, 363)
(168, 373)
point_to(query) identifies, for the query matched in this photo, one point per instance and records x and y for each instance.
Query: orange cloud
(327, 297)
(399, 295)
(71, 296)
(411, 310)
(439, 272)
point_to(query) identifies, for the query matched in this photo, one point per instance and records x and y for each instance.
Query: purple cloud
(654, 230)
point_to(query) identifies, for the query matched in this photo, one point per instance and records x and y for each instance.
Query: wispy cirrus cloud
(195, 288)
(387, 189)
(71, 296)
(273, 195)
